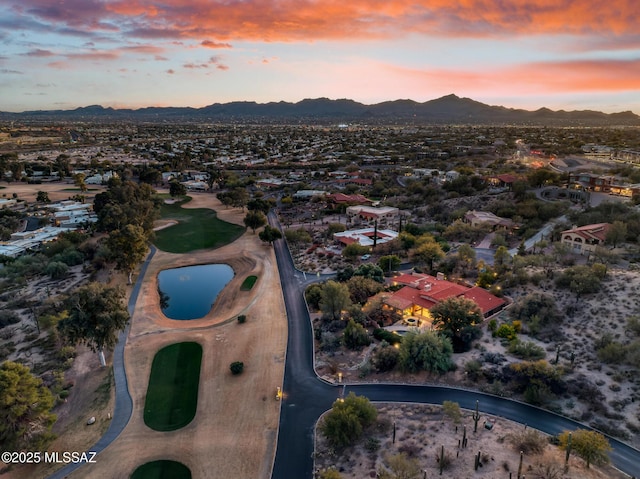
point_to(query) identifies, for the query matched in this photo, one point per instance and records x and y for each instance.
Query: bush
(385, 358)
(530, 442)
(355, 336)
(526, 350)
(612, 353)
(8, 317)
(384, 335)
(236, 367)
(506, 331)
(452, 411)
(348, 418)
(242, 318)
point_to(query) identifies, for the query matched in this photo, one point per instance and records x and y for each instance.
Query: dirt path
(234, 432)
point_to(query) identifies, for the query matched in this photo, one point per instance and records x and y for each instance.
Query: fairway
(172, 394)
(248, 283)
(197, 228)
(162, 470)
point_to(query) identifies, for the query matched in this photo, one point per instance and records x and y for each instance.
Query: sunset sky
(563, 54)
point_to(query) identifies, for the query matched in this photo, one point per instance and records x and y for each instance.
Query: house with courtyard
(384, 215)
(337, 200)
(479, 218)
(365, 236)
(421, 292)
(585, 239)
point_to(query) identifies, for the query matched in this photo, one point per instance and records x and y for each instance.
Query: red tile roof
(597, 231)
(484, 299)
(426, 291)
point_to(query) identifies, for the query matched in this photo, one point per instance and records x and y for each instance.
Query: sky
(561, 54)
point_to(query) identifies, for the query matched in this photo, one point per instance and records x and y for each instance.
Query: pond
(190, 292)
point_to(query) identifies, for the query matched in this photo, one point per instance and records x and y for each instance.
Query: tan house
(585, 239)
(479, 218)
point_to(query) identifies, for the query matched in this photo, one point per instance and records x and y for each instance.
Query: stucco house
(421, 292)
(585, 239)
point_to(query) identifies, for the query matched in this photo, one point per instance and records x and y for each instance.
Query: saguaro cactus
(566, 458)
(476, 418)
(520, 465)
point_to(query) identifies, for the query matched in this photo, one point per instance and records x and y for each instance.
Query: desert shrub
(633, 354)
(385, 358)
(355, 336)
(530, 442)
(8, 317)
(612, 353)
(542, 306)
(534, 376)
(633, 325)
(452, 411)
(426, 352)
(526, 350)
(493, 325)
(242, 318)
(506, 331)
(313, 295)
(236, 367)
(56, 269)
(384, 335)
(347, 420)
(372, 444)
(330, 341)
(472, 369)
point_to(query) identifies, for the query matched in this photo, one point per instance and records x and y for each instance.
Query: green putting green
(248, 283)
(197, 228)
(172, 394)
(162, 470)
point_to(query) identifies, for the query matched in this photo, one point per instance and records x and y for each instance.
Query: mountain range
(447, 109)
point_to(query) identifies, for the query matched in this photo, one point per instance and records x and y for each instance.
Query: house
(365, 236)
(502, 181)
(479, 218)
(421, 292)
(585, 239)
(384, 215)
(339, 199)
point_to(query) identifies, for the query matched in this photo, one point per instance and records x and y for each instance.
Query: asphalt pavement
(306, 397)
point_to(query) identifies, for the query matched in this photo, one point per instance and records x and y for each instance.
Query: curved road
(124, 405)
(306, 397)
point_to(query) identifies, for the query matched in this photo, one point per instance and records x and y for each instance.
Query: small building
(479, 218)
(384, 215)
(306, 194)
(585, 239)
(365, 236)
(340, 199)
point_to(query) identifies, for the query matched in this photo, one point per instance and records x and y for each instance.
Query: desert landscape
(206, 445)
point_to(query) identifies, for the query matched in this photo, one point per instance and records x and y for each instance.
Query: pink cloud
(528, 79)
(293, 20)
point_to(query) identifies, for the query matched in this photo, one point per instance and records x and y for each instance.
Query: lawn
(197, 229)
(172, 394)
(248, 283)
(162, 470)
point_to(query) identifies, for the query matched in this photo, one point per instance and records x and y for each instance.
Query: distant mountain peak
(446, 109)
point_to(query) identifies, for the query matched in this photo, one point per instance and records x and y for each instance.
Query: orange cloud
(212, 44)
(308, 20)
(531, 78)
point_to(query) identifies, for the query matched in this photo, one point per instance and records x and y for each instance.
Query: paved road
(124, 405)
(306, 396)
